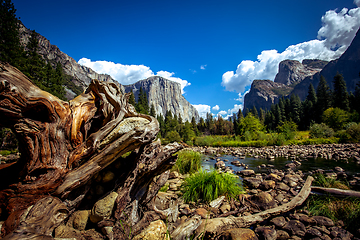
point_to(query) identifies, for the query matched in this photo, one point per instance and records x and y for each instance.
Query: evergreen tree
(295, 109)
(152, 110)
(132, 98)
(254, 112)
(323, 98)
(239, 115)
(262, 115)
(340, 94)
(194, 126)
(142, 106)
(10, 47)
(311, 94)
(357, 98)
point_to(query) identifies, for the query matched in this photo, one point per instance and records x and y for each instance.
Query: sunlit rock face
(165, 95)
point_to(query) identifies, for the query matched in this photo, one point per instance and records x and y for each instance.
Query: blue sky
(213, 48)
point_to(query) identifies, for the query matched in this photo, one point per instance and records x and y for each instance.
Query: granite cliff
(263, 93)
(294, 77)
(165, 95)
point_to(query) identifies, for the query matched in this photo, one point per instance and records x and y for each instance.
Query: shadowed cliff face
(165, 95)
(295, 77)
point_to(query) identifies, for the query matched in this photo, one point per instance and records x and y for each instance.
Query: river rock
(81, 219)
(278, 221)
(264, 200)
(155, 231)
(103, 208)
(239, 234)
(247, 172)
(273, 176)
(282, 235)
(252, 182)
(283, 186)
(295, 227)
(267, 233)
(267, 184)
(323, 221)
(63, 231)
(217, 202)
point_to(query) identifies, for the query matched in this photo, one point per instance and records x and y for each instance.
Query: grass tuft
(208, 186)
(188, 162)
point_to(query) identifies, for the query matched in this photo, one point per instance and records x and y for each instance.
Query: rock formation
(165, 95)
(298, 77)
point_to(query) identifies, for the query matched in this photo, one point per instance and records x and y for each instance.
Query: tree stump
(63, 145)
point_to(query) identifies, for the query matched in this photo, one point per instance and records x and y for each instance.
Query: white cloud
(216, 108)
(129, 74)
(334, 37)
(202, 109)
(203, 67)
(222, 112)
(357, 3)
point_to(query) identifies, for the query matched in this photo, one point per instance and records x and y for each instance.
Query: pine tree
(132, 98)
(152, 110)
(10, 47)
(254, 112)
(340, 94)
(262, 115)
(142, 105)
(311, 94)
(323, 98)
(295, 108)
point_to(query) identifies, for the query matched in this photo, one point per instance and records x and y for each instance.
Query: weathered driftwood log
(64, 144)
(336, 192)
(213, 227)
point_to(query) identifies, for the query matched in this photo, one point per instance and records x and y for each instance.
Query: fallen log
(213, 227)
(65, 145)
(336, 191)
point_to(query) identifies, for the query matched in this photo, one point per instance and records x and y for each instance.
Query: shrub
(207, 186)
(287, 129)
(353, 130)
(335, 118)
(188, 162)
(321, 131)
(172, 136)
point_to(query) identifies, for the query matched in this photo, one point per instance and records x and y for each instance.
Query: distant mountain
(264, 93)
(163, 93)
(295, 77)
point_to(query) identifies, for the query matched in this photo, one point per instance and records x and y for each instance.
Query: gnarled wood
(215, 226)
(64, 145)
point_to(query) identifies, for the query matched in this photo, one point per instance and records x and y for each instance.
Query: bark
(336, 192)
(63, 145)
(213, 227)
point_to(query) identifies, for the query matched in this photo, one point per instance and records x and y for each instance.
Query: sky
(213, 48)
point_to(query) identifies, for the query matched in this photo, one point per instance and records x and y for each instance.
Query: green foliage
(335, 118)
(321, 131)
(340, 94)
(207, 186)
(353, 129)
(328, 182)
(142, 106)
(132, 98)
(287, 129)
(323, 98)
(187, 162)
(172, 136)
(250, 124)
(345, 209)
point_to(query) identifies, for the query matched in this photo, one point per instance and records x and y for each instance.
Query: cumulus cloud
(129, 74)
(216, 108)
(337, 31)
(357, 3)
(203, 67)
(222, 112)
(202, 109)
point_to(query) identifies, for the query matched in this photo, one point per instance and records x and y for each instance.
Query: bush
(353, 130)
(188, 162)
(335, 118)
(287, 129)
(172, 136)
(321, 131)
(207, 186)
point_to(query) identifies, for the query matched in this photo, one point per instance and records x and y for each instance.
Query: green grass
(207, 186)
(7, 152)
(187, 162)
(323, 181)
(345, 209)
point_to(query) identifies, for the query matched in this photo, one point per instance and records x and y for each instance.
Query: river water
(350, 167)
